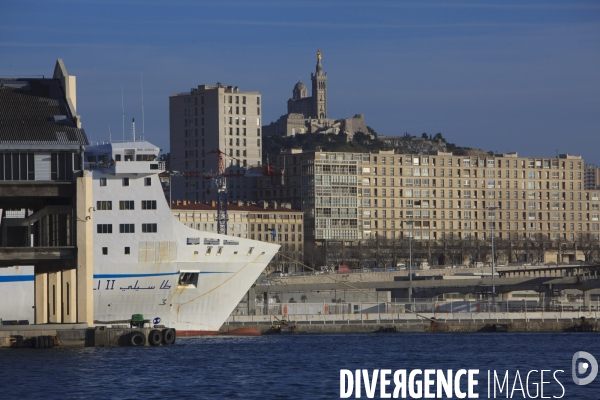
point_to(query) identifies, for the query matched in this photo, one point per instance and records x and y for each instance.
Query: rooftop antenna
(109, 135)
(133, 129)
(143, 119)
(123, 111)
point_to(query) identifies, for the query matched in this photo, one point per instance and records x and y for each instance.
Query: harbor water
(285, 366)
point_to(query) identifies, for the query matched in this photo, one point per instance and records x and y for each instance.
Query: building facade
(437, 197)
(592, 177)
(210, 118)
(46, 209)
(274, 223)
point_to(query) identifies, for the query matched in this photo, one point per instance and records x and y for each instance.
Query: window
(102, 181)
(127, 228)
(147, 181)
(148, 204)
(105, 251)
(104, 205)
(127, 250)
(149, 228)
(126, 205)
(104, 228)
(125, 181)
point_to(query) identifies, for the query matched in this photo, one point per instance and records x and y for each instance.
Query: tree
(517, 247)
(588, 246)
(313, 255)
(453, 248)
(540, 244)
(424, 135)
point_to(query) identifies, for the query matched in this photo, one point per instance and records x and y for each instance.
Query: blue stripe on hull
(103, 276)
(16, 278)
(27, 278)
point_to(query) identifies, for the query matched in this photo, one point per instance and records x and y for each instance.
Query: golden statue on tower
(319, 56)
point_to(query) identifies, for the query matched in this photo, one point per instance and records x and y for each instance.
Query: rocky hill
(364, 143)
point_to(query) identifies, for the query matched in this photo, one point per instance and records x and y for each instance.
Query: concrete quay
(80, 335)
(429, 322)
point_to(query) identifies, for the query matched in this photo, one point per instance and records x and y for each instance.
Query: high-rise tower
(319, 90)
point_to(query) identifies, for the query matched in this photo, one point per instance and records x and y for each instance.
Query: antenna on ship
(133, 129)
(143, 119)
(123, 111)
(109, 135)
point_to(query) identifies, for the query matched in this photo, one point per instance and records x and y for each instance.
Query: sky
(497, 75)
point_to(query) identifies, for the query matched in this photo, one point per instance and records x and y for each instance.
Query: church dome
(300, 86)
(300, 91)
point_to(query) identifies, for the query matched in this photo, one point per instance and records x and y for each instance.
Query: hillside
(364, 143)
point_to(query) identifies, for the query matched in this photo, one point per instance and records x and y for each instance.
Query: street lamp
(492, 212)
(410, 259)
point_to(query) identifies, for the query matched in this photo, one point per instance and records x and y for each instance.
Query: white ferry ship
(145, 260)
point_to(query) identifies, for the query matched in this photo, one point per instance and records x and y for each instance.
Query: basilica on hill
(309, 114)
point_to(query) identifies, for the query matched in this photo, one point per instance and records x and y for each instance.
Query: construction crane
(219, 179)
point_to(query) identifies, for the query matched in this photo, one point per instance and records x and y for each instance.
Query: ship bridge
(126, 157)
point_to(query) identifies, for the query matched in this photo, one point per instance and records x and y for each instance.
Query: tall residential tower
(214, 117)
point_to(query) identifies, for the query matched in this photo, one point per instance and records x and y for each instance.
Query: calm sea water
(293, 367)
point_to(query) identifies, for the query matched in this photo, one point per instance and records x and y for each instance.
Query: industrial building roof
(35, 111)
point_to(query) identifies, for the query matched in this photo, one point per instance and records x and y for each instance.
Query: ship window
(188, 278)
(193, 241)
(102, 181)
(147, 181)
(127, 250)
(105, 251)
(126, 205)
(220, 250)
(149, 228)
(127, 228)
(104, 228)
(125, 181)
(208, 250)
(117, 157)
(148, 204)
(104, 205)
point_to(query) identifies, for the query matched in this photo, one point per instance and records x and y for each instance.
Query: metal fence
(419, 306)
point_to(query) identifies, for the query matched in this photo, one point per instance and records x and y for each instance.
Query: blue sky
(499, 75)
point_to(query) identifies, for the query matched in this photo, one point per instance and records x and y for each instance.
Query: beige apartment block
(274, 223)
(349, 197)
(209, 118)
(591, 177)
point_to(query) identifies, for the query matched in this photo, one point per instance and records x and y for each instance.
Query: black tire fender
(155, 337)
(137, 338)
(169, 336)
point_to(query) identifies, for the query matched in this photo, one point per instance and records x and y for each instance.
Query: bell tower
(319, 91)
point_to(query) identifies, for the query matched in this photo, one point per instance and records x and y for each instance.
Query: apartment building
(209, 118)
(268, 222)
(356, 196)
(591, 177)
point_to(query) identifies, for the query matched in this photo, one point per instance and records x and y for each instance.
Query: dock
(81, 335)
